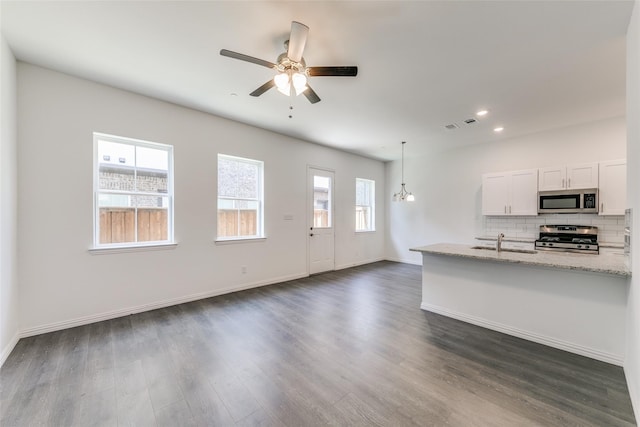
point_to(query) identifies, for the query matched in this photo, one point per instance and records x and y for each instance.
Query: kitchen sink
(518, 251)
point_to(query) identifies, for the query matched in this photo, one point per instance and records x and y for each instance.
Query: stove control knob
(550, 244)
(579, 246)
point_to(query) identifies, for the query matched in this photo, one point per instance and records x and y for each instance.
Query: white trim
(520, 333)
(9, 348)
(404, 261)
(356, 264)
(231, 241)
(137, 248)
(79, 321)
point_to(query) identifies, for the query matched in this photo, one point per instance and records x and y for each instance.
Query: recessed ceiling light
(482, 113)
(498, 129)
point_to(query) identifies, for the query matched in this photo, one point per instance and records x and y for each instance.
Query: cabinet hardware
(509, 209)
(569, 186)
(562, 182)
(505, 208)
(311, 234)
(602, 207)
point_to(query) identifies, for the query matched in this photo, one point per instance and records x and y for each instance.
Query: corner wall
(62, 284)
(8, 205)
(632, 359)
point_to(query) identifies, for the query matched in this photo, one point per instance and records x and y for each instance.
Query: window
(240, 198)
(321, 202)
(133, 192)
(365, 204)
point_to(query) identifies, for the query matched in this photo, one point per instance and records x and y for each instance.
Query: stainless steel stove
(568, 238)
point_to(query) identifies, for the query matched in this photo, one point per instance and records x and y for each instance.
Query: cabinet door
(582, 176)
(495, 191)
(613, 187)
(550, 179)
(524, 193)
(523, 246)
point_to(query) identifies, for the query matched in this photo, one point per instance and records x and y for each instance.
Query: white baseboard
(520, 333)
(404, 261)
(9, 348)
(71, 323)
(356, 264)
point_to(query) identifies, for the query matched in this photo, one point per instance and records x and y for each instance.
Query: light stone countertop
(603, 263)
(508, 239)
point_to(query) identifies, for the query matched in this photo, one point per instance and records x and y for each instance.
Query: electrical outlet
(243, 269)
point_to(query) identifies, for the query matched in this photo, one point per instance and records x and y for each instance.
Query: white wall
(447, 185)
(632, 361)
(62, 284)
(8, 205)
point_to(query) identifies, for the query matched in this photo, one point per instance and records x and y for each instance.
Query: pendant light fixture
(403, 195)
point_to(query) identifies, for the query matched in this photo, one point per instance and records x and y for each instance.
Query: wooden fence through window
(117, 225)
(232, 222)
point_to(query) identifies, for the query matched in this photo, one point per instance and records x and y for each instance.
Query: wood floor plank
(349, 347)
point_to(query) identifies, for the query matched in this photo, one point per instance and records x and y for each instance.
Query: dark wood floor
(343, 348)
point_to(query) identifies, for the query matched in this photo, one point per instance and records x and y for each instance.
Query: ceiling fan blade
(311, 95)
(262, 89)
(297, 40)
(243, 57)
(344, 71)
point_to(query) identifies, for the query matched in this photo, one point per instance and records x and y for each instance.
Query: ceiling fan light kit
(291, 68)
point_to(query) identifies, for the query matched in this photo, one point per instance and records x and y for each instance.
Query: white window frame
(371, 187)
(260, 235)
(113, 247)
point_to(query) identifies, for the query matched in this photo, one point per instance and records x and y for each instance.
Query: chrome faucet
(499, 244)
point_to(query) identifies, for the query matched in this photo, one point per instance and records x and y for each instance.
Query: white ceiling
(422, 64)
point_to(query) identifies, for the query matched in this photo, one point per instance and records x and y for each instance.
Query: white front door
(320, 220)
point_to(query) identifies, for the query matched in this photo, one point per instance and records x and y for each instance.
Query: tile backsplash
(610, 228)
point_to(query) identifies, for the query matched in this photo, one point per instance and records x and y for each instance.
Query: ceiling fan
(291, 67)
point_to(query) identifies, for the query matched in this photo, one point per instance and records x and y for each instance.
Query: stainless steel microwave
(568, 201)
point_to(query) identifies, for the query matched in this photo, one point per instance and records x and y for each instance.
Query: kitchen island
(575, 302)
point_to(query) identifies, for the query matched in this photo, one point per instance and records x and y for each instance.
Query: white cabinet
(612, 190)
(510, 193)
(495, 193)
(521, 246)
(569, 177)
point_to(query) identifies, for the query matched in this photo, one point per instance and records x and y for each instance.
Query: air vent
(452, 126)
(470, 121)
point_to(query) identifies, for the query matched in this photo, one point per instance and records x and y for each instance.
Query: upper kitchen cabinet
(571, 177)
(510, 193)
(613, 187)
